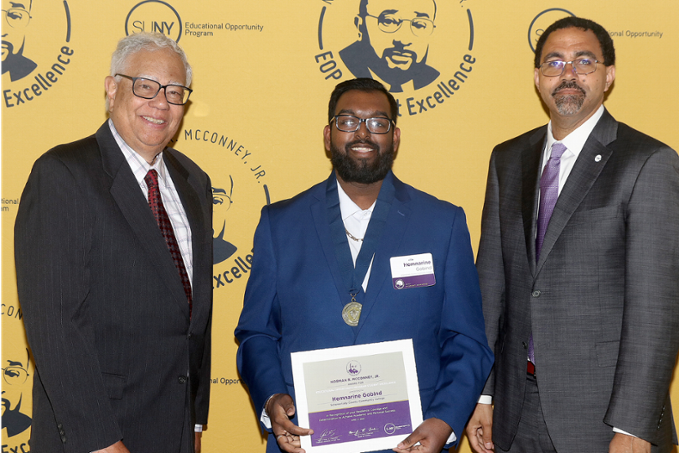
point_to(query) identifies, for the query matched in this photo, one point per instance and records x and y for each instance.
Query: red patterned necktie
(165, 226)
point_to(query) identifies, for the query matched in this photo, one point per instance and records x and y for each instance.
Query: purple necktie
(163, 220)
(549, 193)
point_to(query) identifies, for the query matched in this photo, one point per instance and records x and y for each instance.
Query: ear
(536, 75)
(396, 138)
(111, 86)
(327, 138)
(358, 21)
(610, 76)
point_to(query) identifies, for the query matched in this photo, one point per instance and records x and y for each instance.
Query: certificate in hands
(357, 398)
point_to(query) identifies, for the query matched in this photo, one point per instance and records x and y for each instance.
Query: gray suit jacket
(104, 307)
(602, 301)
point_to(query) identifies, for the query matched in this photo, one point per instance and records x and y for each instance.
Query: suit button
(535, 293)
(60, 426)
(188, 336)
(63, 439)
(182, 379)
(525, 346)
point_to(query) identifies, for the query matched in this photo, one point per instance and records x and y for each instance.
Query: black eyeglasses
(581, 66)
(350, 123)
(149, 89)
(14, 375)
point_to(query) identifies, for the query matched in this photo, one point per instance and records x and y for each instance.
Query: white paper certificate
(357, 398)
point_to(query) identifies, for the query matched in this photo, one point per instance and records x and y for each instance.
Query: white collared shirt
(168, 193)
(356, 222)
(574, 143)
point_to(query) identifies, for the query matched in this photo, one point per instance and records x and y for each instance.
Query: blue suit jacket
(295, 295)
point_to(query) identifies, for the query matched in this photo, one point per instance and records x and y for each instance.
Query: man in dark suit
(321, 278)
(578, 263)
(117, 312)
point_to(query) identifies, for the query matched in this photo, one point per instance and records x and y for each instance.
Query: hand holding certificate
(358, 398)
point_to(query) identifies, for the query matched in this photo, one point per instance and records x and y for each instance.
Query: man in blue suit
(321, 278)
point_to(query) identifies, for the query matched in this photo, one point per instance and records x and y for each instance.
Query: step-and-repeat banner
(263, 73)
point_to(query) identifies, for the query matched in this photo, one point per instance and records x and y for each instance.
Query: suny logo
(154, 16)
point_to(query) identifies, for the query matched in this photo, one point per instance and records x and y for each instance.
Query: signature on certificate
(363, 432)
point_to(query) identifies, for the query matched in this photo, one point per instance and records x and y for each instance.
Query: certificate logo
(353, 368)
(400, 284)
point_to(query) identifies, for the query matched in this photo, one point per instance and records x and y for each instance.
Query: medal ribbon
(353, 276)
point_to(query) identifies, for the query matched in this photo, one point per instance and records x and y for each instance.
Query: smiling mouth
(153, 120)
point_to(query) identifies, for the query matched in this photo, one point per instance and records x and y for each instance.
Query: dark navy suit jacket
(295, 295)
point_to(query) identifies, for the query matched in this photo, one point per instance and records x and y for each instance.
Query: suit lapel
(397, 221)
(586, 170)
(130, 199)
(530, 169)
(319, 212)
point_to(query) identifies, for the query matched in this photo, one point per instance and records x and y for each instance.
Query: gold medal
(351, 312)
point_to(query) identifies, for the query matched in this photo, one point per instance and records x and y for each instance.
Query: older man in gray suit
(579, 269)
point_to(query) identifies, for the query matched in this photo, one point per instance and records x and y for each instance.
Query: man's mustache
(365, 141)
(568, 85)
(8, 45)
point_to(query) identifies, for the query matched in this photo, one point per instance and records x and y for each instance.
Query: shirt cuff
(264, 418)
(198, 428)
(616, 430)
(485, 399)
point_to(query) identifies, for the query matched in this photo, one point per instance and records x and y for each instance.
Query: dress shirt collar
(138, 165)
(350, 209)
(574, 141)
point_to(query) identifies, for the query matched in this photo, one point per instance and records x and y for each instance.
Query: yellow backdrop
(263, 74)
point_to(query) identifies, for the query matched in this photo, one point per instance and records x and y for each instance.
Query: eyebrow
(12, 363)
(17, 5)
(417, 13)
(351, 112)
(580, 53)
(154, 78)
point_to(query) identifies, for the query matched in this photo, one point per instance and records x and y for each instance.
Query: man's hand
(622, 443)
(280, 408)
(197, 442)
(432, 435)
(480, 429)
(118, 447)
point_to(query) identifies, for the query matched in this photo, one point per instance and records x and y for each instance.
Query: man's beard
(568, 104)
(360, 171)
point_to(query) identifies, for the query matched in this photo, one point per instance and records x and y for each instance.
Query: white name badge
(412, 271)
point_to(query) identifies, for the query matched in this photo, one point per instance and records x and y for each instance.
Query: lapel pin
(597, 158)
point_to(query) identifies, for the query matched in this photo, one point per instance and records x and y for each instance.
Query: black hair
(600, 32)
(362, 84)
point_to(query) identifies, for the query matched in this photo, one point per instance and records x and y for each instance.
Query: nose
(363, 130)
(569, 73)
(160, 101)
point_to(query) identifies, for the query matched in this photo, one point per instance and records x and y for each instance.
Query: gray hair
(137, 42)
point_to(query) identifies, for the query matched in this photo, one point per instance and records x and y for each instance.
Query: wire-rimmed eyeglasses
(581, 66)
(14, 375)
(390, 23)
(17, 17)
